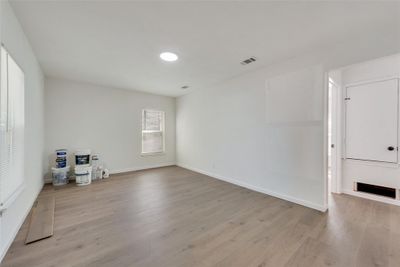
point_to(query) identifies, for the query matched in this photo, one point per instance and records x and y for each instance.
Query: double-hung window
(153, 134)
(12, 124)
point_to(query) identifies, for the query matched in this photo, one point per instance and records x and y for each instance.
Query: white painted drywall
(384, 174)
(105, 120)
(13, 37)
(260, 131)
(265, 130)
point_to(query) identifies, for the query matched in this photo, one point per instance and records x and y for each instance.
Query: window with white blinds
(11, 129)
(153, 131)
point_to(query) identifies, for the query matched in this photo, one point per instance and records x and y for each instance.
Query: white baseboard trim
(152, 166)
(371, 197)
(258, 189)
(17, 227)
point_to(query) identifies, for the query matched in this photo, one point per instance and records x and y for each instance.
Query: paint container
(61, 159)
(97, 169)
(83, 175)
(82, 157)
(61, 152)
(60, 176)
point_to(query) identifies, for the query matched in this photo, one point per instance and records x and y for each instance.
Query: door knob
(390, 148)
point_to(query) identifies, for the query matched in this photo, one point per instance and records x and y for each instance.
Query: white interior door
(372, 121)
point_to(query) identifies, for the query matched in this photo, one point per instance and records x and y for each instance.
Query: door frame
(337, 132)
(336, 136)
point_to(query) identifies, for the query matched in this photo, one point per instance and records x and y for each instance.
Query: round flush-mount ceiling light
(168, 56)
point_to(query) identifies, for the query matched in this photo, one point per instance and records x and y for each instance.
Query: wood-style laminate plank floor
(175, 217)
(41, 220)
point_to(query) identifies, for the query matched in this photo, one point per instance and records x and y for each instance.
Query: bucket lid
(82, 152)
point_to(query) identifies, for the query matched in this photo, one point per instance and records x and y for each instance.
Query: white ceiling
(118, 44)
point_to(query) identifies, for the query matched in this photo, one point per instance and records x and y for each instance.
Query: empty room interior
(199, 133)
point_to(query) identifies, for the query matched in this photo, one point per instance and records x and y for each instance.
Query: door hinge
(347, 98)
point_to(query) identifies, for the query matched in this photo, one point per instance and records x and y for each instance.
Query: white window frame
(153, 131)
(13, 160)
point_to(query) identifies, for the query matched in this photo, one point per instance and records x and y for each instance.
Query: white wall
(384, 174)
(18, 46)
(254, 133)
(265, 130)
(106, 120)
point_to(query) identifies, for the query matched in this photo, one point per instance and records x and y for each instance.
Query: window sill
(152, 154)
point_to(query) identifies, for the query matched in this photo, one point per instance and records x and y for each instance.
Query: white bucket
(83, 175)
(60, 175)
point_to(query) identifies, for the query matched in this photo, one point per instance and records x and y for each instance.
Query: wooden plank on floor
(42, 219)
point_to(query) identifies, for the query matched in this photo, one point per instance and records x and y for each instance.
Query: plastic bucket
(61, 160)
(83, 175)
(61, 152)
(60, 176)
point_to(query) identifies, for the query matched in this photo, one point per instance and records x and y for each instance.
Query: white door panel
(372, 121)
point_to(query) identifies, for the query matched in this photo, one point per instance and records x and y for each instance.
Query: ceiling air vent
(248, 61)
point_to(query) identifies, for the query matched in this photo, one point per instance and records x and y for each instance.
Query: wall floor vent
(376, 190)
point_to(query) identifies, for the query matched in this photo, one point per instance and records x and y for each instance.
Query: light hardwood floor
(174, 217)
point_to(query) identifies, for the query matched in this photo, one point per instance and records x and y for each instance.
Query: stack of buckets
(60, 172)
(83, 169)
